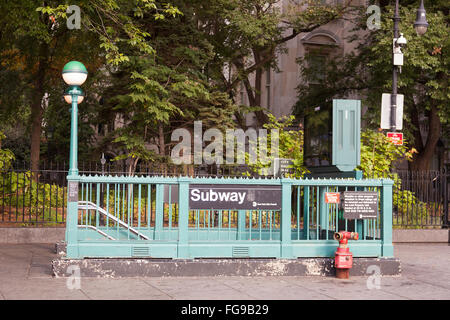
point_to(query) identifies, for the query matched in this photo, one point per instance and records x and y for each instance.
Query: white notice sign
(386, 111)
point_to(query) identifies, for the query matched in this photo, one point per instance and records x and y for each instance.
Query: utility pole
(394, 73)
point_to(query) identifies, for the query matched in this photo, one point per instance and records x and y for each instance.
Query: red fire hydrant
(343, 258)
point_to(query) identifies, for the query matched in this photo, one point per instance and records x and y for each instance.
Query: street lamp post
(74, 96)
(74, 74)
(420, 25)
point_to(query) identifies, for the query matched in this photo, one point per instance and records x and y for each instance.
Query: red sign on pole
(395, 137)
(332, 197)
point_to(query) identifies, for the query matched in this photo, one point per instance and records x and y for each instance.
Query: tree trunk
(261, 117)
(36, 120)
(254, 97)
(422, 160)
(162, 144)
(414, 115)
(132, 166)
(37, 109)
(254, 93)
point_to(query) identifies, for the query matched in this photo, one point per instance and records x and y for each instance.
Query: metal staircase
(88, 205)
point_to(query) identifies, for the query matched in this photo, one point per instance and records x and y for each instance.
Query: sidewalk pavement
(25, 273)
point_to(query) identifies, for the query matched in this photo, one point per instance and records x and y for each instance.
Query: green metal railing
(150, 217)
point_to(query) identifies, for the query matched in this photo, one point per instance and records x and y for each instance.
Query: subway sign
(234, 197)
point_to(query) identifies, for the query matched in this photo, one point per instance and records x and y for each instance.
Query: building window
(317, 63)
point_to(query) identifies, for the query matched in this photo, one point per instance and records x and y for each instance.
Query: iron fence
(420, 199)
(31, 198)
(39, 198)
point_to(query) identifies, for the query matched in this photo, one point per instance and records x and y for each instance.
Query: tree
(249, 35)
(36, 44)
(378, 154)
(25, 46)
(159, 92)
(423, 80)
(34, 49)
(290, 146)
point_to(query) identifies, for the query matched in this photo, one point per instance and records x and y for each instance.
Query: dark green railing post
(183, 219)
(323, 213)
(285, 228)
(306, 213)
(159, 214)
(359, 222)
(387, 250)
(241, 224)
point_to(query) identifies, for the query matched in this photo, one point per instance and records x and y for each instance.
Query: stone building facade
(278, 93)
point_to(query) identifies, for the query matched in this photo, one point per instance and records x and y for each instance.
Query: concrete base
(120, 268)
(151, 267)
(421, 235)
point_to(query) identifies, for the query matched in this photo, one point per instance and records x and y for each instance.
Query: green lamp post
(74, 74)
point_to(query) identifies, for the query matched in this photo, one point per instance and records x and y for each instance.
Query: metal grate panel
(240, 251)
(140, 251)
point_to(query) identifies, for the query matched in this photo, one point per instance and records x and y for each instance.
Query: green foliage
(39, 201)
(290, 144)
(170, 89)
(136, 148)
(249, 36)
(367, 73)
(115, 27)
(424, 77)
(378, 154)
(34, 47)
(6, 155)
(36, 44)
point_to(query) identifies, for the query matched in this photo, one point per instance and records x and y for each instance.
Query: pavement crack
(29, 266)
(85, 294)
(165, 293)
(316, 291)
(396, 294)
(430, 283)
(240, 291)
